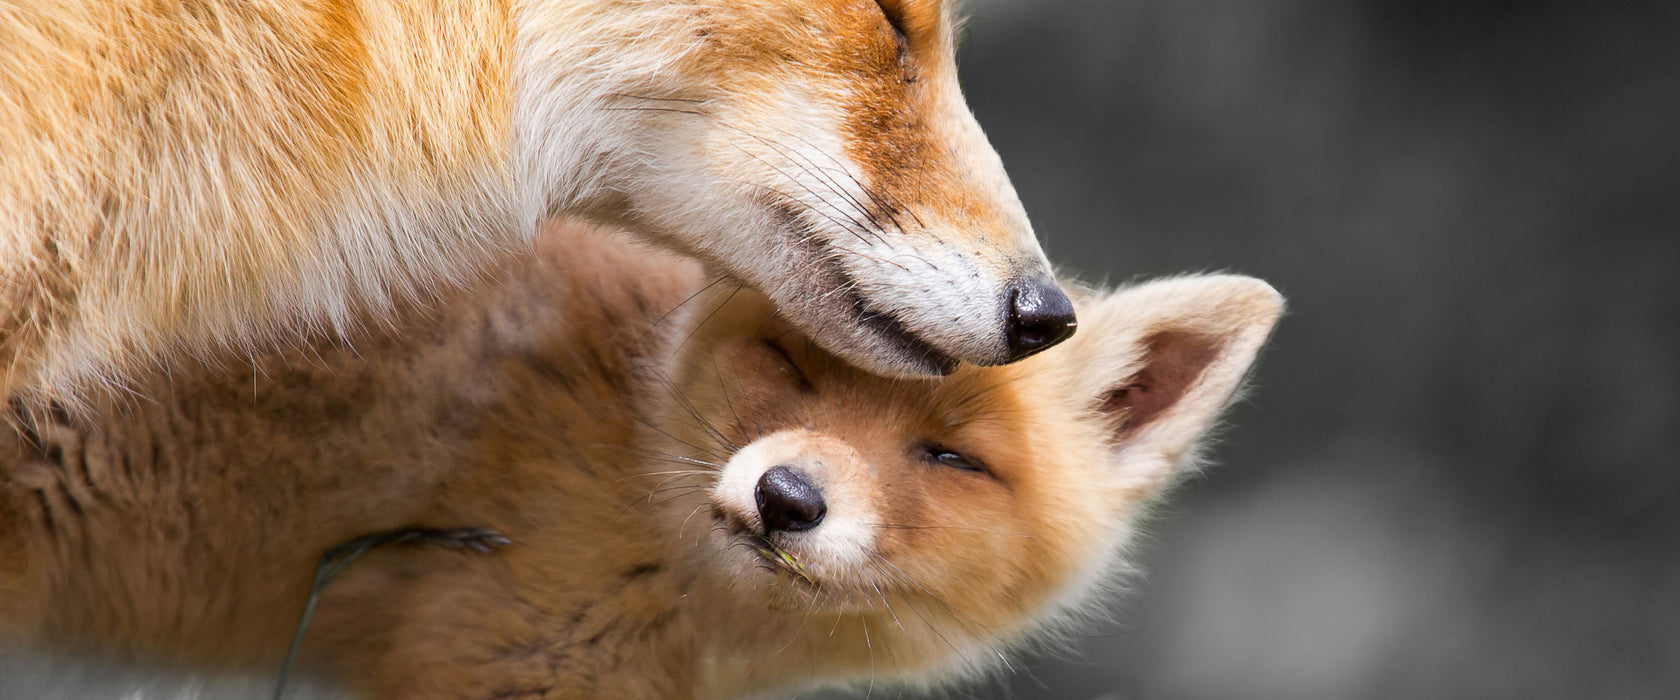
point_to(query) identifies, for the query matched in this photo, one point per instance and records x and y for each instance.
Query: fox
(699, 499)
(181, 177)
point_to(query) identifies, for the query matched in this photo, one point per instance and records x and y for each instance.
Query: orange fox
(702, 503)
(181, 176)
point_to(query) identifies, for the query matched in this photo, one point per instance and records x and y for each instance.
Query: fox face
(183, 178)
(947, 519)
(820, 151)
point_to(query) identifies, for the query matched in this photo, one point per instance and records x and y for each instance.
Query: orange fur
(616, 443)
(166, 167)
(178, 177)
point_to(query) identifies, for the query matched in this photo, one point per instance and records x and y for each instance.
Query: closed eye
(901, 37)
(954, 460)
(787, 360)
(894, 19)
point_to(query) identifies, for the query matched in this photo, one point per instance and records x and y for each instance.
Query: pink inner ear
(1173, 361)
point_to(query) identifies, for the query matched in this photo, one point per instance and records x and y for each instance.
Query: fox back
(703, 502)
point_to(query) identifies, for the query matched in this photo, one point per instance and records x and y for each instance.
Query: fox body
(176, 177)
(702, 502)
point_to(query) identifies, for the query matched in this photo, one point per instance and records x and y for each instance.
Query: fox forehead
(887, 73)
(1035, 449)
(1000, 410)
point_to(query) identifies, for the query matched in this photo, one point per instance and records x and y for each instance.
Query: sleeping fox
(702, 501)
(178, 177)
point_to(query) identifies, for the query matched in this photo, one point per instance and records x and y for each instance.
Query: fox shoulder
(176, 177)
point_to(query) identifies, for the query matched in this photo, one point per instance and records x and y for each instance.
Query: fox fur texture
(183, 176)
(703, 502)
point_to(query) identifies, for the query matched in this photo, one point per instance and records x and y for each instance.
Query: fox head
(818, 150)
(944, 519)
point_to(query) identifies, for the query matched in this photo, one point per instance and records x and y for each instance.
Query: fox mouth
(777, 560)
(770, 556)
(888, 327)
(829, 290)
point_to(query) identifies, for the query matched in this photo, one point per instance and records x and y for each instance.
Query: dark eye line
(901, 39)
(955, 460)
(897, 23)
(804, 383)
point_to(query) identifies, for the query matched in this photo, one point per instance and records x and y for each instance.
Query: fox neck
(573, 63)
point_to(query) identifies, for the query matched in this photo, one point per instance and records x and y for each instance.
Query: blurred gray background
(1458, 473)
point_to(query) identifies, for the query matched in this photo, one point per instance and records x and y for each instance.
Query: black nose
(787, 501)
(1040, 316)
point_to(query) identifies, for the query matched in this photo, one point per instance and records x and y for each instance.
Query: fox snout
(788, 501)
(823, 154)
(802, 493)
(1039, 315)
(935, 308)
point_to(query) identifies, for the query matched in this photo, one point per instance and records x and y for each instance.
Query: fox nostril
(787, 501)
(1040, 316)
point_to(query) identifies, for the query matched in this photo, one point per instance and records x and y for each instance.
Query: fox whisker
(674, 473)
(827, 183)
(890, 526)
(649, 98)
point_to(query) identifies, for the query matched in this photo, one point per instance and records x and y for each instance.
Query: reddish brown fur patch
(890, 91)
(893, 102)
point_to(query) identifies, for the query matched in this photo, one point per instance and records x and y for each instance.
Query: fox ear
(1159, 362)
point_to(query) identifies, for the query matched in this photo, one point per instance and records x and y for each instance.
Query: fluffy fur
(617, 442)
(181, 176)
